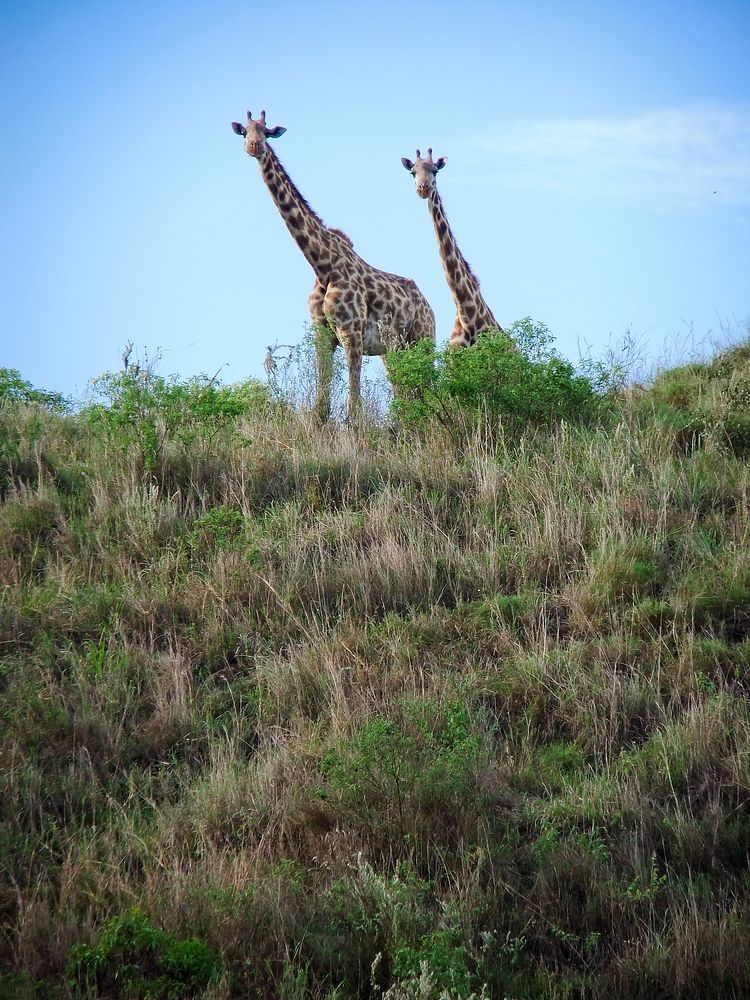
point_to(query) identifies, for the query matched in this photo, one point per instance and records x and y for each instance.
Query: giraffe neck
(307, 229)
(461, 281)
(473, 313)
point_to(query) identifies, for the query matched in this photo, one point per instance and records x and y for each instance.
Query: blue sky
(598, 176)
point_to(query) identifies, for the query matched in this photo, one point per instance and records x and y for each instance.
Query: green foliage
(554, 767)
(15, 389)
(705, 401)
(25, 415)
(217, 528)
(390, 770)
(137, 411)
(646, 888)
(369, 916)
(514, 376)
(444, 954)
(136, 961)
(21, 986)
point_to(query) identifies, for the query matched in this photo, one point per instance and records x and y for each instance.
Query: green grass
(355, 712)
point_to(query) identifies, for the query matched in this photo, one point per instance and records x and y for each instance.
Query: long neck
(308, 230)
(461, 281)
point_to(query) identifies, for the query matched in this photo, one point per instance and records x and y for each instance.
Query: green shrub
(137, 412)
(217, 528)
(15, 389)
(133, 959)
(391, 772)
(514, 376)
(444, 954)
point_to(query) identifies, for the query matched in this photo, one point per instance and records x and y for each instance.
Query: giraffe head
(424, 171)
(256, 133)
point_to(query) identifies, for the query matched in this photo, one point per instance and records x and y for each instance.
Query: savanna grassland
(453, 705)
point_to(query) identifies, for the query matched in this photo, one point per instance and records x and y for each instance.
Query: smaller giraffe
(473, 315)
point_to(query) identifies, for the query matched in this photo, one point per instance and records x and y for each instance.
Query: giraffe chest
(386, 329)
(372, 339)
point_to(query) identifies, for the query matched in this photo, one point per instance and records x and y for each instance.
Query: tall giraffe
(365, 310)
(473, 315)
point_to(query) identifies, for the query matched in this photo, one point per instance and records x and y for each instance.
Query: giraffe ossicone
(473, 315)
(365, 310)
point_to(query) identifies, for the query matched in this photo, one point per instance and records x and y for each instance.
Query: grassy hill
(296, 711)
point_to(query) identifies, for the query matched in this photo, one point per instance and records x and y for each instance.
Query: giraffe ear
(408, 164)
(274, 133)
(239, 129)
(440, 162)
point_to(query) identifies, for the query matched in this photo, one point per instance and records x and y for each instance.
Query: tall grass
(300, 711)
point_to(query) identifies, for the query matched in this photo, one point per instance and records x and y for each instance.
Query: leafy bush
(218, 528)
(513, 375)
(444, 953)
(392, 772)
(14, 388)
(139, 411)
(132, 958)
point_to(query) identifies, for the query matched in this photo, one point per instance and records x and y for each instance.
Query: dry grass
(318, 695)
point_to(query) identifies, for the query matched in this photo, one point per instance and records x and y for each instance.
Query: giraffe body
(473, 315)
(353, 304)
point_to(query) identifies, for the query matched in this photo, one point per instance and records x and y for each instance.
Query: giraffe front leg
(352, 340)
(346, 314)
(325, 345)
(354, 409)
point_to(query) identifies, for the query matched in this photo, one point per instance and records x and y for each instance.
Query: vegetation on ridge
(333, 712)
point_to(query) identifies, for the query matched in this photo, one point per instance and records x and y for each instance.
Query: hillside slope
(289, 711)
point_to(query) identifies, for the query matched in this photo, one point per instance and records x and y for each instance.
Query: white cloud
(678, 158)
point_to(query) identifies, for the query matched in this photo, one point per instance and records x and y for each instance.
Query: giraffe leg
(346, 313)
(325, 345)
(352, 340)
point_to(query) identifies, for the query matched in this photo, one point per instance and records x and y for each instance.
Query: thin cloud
(686, 157)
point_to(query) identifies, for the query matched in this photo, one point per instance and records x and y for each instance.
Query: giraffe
(353, 304)
(473, 315)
